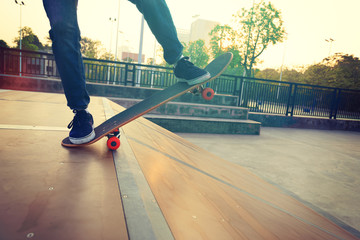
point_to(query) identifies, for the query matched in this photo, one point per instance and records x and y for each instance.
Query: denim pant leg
(65, 36)
(158, 17)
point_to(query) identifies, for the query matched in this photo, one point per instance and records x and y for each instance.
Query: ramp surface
(205, 197)
(51, 192)
(47, 191)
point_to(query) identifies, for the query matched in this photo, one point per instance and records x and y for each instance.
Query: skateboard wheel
(113, 143)
(208, 93)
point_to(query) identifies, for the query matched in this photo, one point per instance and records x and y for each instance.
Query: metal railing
(123, 73)
(290, 99)
(259, 95)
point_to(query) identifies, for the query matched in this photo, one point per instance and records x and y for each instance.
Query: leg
(65, 35)
(158, 17)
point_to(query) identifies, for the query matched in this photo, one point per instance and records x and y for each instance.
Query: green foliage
(339, 71)
(198, 53)
(223, 39)
(3, 44)
(29, 41)
(291, 76)
(347, 70)
(268, 73)
(255, 29)
(107, 56)
(90, 48)
(318, 74)
(258, 28)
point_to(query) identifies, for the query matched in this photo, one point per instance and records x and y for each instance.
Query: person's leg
(158, 17)
(65, 36)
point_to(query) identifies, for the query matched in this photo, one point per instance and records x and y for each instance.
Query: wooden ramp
(205, 197)
(169, 188)
(47, 191)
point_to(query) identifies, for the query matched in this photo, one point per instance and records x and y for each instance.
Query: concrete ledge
(269, 120)
(50, 85)
(205, 125)
(191, 109)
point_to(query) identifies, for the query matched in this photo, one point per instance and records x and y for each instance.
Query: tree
(198, 52)
(48, 44)
(90, 48)
(258, 28)
(344, 69)
(291, 75)
(318, 74)
(3, 44)
(268, 73)
(223, 39)
(29, 40)
(107, 56)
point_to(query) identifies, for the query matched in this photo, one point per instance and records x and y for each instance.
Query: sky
(307, 23)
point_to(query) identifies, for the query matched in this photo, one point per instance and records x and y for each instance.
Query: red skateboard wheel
(208, 93)
(113, 143)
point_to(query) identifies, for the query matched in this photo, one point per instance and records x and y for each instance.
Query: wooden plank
(51, 192)
(215, 199)
(144, 218)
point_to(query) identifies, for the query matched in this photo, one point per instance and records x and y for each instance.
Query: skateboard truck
(206, 93)
(113, 141)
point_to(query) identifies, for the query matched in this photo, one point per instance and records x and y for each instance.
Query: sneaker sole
(83, 140)
(195, 81)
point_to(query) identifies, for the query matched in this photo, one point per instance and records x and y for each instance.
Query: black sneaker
(186, 71)
(82, 127)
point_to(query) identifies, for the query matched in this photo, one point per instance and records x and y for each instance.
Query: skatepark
(281, 184)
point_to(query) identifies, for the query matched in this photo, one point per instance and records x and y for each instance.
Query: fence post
(2, 60)
(134, 71)
(235, 86)
(289, 99)
(293, 101)
(337, 100)
(126, 74)
(240, 91)
(333, 103)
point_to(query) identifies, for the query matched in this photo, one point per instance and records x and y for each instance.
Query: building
(200, 29)
(132, 57)
(183, 35)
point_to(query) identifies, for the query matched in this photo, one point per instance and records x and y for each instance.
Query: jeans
(65, 36)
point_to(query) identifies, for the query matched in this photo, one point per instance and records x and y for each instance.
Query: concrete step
(191, 109)
(205, 125)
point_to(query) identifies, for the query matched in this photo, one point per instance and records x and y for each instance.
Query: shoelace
(76, 119)
(189, 65)
(186, 61)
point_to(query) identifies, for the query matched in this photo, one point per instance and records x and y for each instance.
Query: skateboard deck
(107, 128)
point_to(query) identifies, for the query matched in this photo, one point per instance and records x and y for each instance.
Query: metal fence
(259, 95)
(291, 99)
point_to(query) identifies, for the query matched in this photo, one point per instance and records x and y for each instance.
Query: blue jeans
(65, 36)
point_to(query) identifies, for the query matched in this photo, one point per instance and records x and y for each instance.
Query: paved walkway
(320, 168)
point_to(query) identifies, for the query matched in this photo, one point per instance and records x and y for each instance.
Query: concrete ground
(318, 167)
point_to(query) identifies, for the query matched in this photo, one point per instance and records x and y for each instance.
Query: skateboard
(110, 127)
